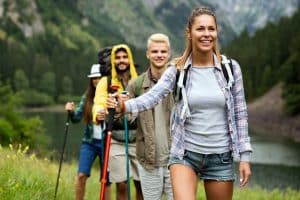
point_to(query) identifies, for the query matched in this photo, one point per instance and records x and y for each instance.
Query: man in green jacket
(153, 137)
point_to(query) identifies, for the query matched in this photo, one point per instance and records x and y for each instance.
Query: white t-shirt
(97, 133)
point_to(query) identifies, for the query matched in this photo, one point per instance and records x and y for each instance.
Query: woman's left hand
(245, 173)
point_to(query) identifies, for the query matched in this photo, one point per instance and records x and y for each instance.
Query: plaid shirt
(236, 108)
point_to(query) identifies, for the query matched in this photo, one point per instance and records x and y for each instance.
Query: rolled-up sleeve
(240, 110)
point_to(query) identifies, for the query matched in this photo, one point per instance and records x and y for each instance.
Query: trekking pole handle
(111, 111)
(68, 118)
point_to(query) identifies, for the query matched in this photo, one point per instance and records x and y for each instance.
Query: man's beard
(122, 70)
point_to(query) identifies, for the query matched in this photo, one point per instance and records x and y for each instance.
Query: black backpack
(104, 60)
(227, 69)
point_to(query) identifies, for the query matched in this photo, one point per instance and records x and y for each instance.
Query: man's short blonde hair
(158, 37)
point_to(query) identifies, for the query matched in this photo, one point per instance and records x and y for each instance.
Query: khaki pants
(117, 162)
(155, 183)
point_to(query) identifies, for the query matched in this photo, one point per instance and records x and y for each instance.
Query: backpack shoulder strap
(176, 90)
(180, 75)
(227, 69)
(108, 84)
(138, 85)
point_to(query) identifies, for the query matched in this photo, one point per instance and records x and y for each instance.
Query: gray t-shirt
(206, 129)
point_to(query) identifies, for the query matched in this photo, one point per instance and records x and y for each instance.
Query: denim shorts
(219, 167)
(88, 154)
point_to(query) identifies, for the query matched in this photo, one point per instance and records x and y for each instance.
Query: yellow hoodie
(101, 89)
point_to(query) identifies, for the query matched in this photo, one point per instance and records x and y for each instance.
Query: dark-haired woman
(92, 145)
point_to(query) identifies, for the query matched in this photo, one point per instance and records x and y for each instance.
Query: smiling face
(203, 33)
(158, 54)
(121, 60)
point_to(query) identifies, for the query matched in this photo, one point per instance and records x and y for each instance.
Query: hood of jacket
(114, 75)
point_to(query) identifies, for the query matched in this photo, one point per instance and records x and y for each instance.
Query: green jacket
(76, 117)
(145, 134)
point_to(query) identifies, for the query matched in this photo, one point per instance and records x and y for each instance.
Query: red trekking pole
(111, 113)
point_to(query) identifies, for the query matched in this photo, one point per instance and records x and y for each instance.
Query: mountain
(135, 20)
(266, 116)
(62, 37)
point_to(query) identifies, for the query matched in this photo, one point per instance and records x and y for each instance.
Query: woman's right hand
(100, 115)
(70, 106)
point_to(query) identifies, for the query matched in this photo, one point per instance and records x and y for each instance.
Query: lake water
(275, 161)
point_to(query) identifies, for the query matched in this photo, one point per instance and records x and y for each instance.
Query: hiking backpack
(104, 60)
(227, 69)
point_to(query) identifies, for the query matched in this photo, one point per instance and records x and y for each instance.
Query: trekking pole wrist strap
(123, 107)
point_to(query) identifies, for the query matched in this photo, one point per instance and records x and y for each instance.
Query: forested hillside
(47, 52)
(51, 62)
(47, 47)
(270, 56)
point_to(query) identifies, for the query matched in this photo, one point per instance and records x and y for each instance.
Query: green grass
(25, 177)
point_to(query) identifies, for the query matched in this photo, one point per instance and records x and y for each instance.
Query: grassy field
(25, 177)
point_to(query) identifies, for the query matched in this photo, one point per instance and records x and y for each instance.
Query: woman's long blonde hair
(180, 61)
